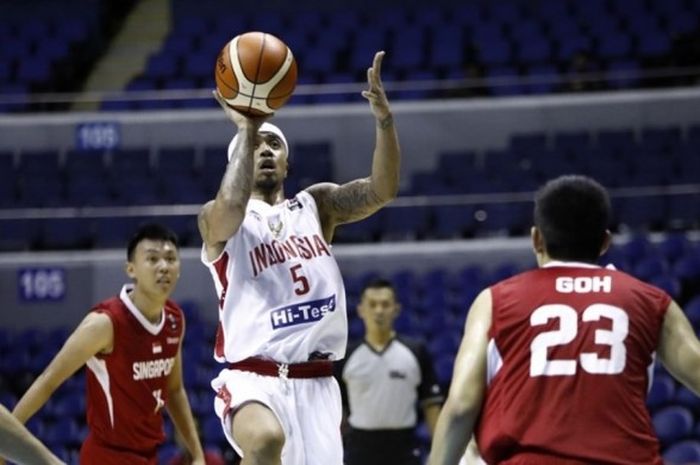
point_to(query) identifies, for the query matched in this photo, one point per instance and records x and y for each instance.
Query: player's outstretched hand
(238, 118)
(375, 94)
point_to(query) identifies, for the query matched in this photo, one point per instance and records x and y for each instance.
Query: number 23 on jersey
(591, 362)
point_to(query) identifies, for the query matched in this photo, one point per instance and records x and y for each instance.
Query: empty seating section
(435, 304)
(517, 47)
(635, 165)
(49, 46)
(510, 47)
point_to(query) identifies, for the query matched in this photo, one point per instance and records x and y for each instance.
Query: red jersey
(570, 360)
(127, 389)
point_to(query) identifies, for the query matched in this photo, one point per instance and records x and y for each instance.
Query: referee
(383, 380)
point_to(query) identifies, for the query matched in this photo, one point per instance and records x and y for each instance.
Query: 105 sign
(41, 284)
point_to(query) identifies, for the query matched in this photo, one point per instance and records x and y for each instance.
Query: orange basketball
(256, 73)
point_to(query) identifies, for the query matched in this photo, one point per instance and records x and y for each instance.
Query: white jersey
(281, 295)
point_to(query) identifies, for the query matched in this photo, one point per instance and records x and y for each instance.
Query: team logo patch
(275, 227)
(157, 348)
(304, 312)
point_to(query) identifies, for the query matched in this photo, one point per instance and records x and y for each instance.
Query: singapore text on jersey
(150, 369)
(265, 255)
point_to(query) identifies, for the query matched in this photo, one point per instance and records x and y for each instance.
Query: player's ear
(537, 240)
(129, 270)
(606, 242)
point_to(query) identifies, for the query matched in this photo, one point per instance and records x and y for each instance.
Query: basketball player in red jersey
(131, 345)
(555, 363)
(282, 315)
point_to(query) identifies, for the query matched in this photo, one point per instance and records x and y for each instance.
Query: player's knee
(258, 432)
(266, 441)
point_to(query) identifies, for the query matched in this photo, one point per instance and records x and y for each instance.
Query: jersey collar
(153, 328)
(558, 263)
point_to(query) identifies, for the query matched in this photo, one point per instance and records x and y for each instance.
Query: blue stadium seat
(43, 164)
(114, 232)
(642, 212)
(542, 79)
(66, 233)
(687, 267)
(80, 164)
(181, 189)
(212, 430)
(623, 74)
(673, 424)
(175, 161)
(417, 92)
(453, 221)
(495, 52)
(129, 162)
(661, 393)
(135, 190)
(674, 245)
(19, 235)
(692, 311)
(40, 191)
(442, 49)
(88, 191)
(443, 370)
(366, 230)
(668, 283)
(503, 81)
(536, 49)
(572, 142)
(405, 224)
(683, 453)
(653, 44)
(688, 399)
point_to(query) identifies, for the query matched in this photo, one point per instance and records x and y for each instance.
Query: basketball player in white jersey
(282, 316)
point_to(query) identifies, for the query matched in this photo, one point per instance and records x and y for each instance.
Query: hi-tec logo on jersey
(294, 204)
(305, 312)
(584, 284)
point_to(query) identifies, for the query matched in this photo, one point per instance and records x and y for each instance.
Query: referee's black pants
(382, 447)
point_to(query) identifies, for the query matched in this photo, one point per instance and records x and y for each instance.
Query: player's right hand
(241, 120)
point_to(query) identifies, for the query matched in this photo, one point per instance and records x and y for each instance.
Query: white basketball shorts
(309, 410)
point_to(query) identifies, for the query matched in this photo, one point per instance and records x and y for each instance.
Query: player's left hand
(375, 94)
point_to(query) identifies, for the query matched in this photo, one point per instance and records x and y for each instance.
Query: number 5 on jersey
(301, 284)
(542, 365)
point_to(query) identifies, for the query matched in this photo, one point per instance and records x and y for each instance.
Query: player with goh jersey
(282, 316)
(556, 362)
(131, 345)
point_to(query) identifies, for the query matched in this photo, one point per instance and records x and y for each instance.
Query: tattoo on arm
(387, 121)
(353, 201)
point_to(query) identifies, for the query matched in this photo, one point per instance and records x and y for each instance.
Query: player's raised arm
(679, 349)
(360, 198)
(220, 218)
(458, 416)
(92, 336)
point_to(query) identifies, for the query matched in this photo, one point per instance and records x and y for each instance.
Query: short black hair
(152, 231)
(573, 212)
(379, 283)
